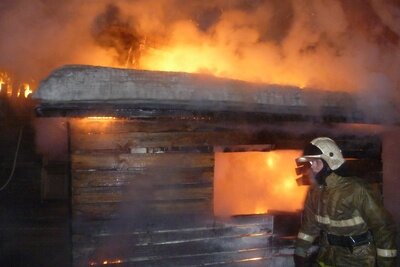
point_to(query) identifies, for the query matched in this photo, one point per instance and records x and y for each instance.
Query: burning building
(179, 169)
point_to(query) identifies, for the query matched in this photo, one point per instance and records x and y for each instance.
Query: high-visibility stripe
(305, 237)
(386, 252)
(339, 223)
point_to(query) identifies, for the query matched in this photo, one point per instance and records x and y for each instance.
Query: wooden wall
(142, 191)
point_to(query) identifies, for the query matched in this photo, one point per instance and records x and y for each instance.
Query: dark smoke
(113, 31)
(364, 19)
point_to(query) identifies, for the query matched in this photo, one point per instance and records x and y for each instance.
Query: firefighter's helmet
(328, 151)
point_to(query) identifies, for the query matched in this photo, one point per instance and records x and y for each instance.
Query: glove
(299, 261)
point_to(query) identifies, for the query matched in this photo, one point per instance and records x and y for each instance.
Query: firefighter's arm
(308, 230)
(382, 226)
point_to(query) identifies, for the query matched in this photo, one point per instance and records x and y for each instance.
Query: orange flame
(190, 50)
(255, 183)
(4, 81)
(24, 89)
(27, 90)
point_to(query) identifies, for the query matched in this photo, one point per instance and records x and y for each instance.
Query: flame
(27, 90)
(256, 182)
(299, 43)
(213, 60)
(6, 83)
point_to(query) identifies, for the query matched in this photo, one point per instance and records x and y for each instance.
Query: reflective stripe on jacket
(347, 206)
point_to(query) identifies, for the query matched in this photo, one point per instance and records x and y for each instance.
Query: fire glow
(25, 90)
(101, 118)
(6, 82)
(106, 262)
(256, 183)
(301, 43)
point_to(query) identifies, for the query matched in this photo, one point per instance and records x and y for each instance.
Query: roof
(80, 87)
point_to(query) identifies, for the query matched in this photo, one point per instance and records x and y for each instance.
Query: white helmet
(331, 153)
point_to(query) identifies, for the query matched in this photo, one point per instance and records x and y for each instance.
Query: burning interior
(179, 169)
(256, 183)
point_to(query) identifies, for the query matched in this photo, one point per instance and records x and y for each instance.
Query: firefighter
(346, 215)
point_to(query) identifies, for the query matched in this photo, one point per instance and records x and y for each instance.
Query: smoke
(109, 31)
(51, 138)
(333, 44)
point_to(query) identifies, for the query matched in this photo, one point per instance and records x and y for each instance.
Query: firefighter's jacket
(347, 206)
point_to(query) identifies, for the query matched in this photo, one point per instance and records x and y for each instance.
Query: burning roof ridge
(83, 85)
(80, 67)
(72, 83)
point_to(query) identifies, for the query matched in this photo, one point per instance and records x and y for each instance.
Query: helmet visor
(303, 167)
(303, 172)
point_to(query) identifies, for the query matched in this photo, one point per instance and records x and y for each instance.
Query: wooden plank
(116, 210)
(167, 223)
(257, 257)
(161, 236)
(160, 224)
(110, 197)
(177, 246)
(97, 211)
(244, 148)
(359, 144)
(103, 161)
(127, 141)
(199, 207)
(151, 125)
(150, 237)
(146, 246)
(120, 194)
(154, 176)
(200, 245)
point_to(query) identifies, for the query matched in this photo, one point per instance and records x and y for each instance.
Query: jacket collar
(333, 180)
